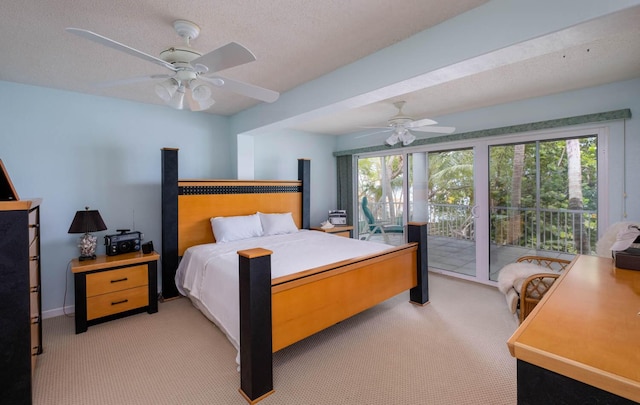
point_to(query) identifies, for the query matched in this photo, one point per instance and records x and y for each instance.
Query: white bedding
(208, 274)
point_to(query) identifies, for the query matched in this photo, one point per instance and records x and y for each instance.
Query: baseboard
(52, 313)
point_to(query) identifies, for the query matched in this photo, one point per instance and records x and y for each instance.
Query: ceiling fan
(187, 85)
(401, 127)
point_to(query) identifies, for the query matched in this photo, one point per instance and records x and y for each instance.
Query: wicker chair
(532, 289)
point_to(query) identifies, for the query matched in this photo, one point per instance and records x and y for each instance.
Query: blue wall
(276, 158)
(74, 150)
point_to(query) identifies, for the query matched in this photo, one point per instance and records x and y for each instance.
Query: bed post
(169, 221)
(304, 175)
(256, 350)
(417, 232)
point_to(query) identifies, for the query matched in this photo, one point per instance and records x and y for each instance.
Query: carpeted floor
(452, 351)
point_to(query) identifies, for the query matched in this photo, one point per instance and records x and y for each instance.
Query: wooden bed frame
(275, 313)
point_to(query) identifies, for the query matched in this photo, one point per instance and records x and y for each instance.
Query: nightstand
(111, 287)
(340, 230)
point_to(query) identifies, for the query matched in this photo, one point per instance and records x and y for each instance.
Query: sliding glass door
(443, 195)
(543, 199)
(487, 201)
(381, 199)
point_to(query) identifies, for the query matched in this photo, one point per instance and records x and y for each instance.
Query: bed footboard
(277, 313)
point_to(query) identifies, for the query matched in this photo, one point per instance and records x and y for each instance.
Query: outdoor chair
(525, 282)
(381, 227)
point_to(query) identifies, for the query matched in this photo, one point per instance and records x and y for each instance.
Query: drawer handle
(35, 320)
(34, 258)
(35, 289)
(119, 302)
(119, 280)
(34, 226)
(35, 350)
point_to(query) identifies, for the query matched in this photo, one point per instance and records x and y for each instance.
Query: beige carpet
(452, 351)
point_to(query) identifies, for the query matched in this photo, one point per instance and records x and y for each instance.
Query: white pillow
(228, 229)
(277, 224)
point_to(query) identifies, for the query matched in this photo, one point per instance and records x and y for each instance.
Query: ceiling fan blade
(437, 130)
(131, 80)
(92, 36)
(378, 127)
(420, 123)
(373, 133)
(225, 57)
(245, 89)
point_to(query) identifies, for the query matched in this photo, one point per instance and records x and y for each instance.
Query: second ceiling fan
(401, 127)
(192, 73)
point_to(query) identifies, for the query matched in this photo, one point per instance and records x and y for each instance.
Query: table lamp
(84, 222)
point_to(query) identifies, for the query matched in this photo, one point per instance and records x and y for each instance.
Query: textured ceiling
(294, 41)
(298, 41)
(593, 53)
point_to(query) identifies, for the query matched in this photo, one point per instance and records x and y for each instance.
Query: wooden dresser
(581, 344)
(20, 312)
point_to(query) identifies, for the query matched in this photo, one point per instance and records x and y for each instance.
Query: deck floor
(459, 255)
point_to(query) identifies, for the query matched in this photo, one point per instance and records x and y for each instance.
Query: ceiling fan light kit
(401, 127)
(173, 94)
(401, 135)
(183, 88)
(166, 89)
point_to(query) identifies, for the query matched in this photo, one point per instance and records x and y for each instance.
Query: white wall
(276, 158)
(75, 150)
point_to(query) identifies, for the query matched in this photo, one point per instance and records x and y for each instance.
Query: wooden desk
(583, 339)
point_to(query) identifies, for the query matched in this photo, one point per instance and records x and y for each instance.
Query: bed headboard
(189, 205)
(201, 200)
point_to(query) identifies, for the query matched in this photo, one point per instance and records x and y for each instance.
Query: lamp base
(87, 247)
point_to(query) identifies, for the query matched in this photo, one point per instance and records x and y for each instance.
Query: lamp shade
(87, 221)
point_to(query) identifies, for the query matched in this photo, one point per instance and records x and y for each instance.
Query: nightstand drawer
(116, 280)
(119, 301)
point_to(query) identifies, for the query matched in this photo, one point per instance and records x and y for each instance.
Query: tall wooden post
(256, 349)
(304, 175)
(169, 221)
(417, 232)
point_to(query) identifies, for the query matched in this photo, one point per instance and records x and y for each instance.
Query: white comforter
(208, 274)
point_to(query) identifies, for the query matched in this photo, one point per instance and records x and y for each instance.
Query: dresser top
(20, 205)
